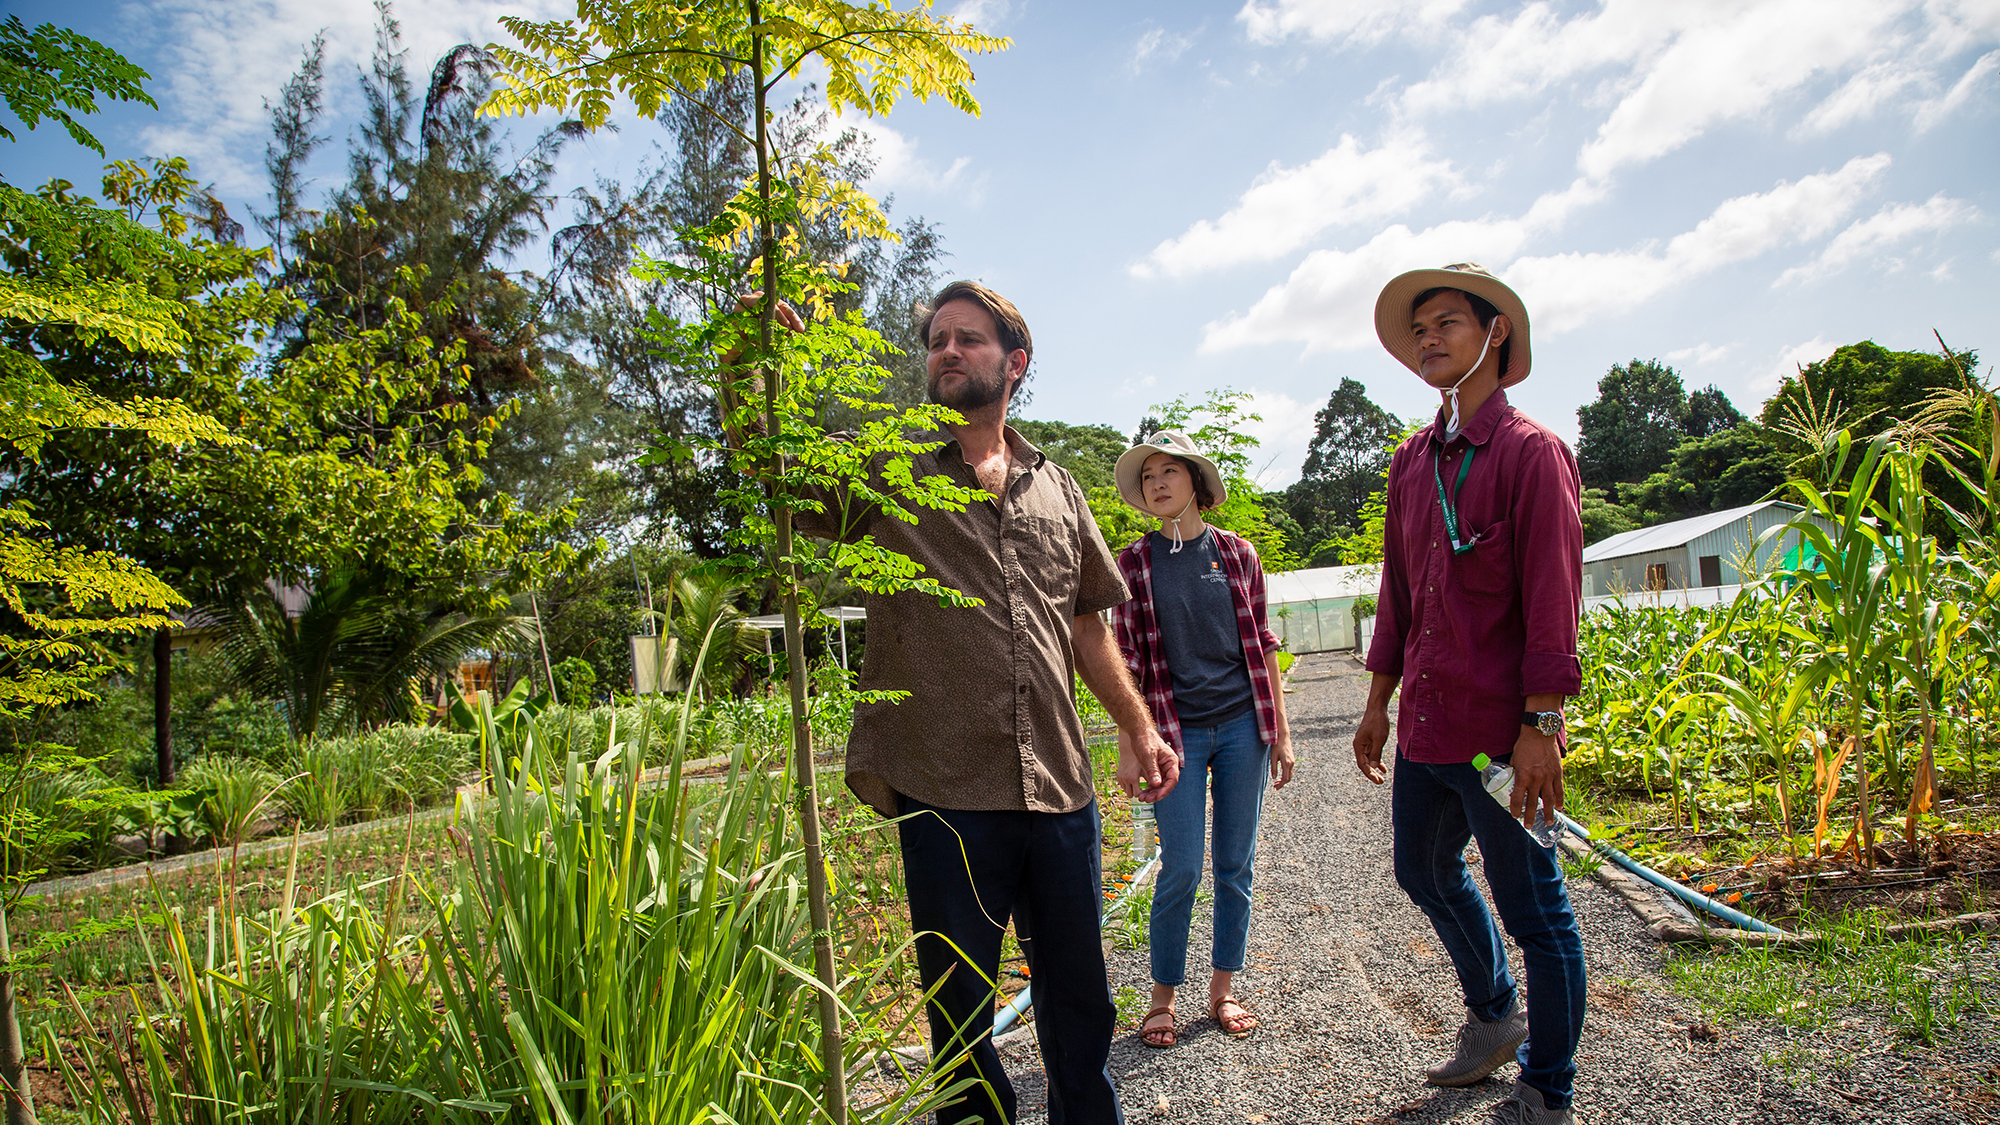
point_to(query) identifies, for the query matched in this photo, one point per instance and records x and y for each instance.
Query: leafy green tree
(58, 599)
(600, 314)
(1343, 467)
(1090, 453)
(1628, 433)
(364, 649)
(1727, 469)
(1603, 519)
(1709, 411)
(1364, 546)
(52, 71)
(359, 447)
(871, 56)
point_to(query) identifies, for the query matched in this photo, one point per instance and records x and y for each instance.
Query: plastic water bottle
(1499, 781)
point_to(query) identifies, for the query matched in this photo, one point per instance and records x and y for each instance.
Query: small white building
(1313, 610)
(1708, 550)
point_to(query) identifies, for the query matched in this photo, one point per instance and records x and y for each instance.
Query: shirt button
(1423, 719)
(1432, 589)
(1423, 675)
(1024, 689)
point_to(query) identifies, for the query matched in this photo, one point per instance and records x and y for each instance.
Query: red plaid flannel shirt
(1139, 632)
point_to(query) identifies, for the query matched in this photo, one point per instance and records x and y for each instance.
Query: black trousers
(968, 873)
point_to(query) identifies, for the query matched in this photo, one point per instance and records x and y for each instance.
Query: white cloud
(1871, 236)
(1283, 432)
(1286, 207)
(1861, 96)
(900, 167)
(1328, 302)
(1563, 291)
(220, 60)
(1735, 68)
(1935, 110)
(1700, 355)
(1342, 21)
(1158, 45)
(1673, 71)
(1495, 59)
(1788, 363)
(983, 15)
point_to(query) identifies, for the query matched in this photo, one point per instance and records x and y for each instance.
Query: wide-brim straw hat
(1394, 306)
(1132, 463)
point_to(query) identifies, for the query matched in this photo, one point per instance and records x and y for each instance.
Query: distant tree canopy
(1641, 414)
(1722, 460)
(1350, 448)
(1869, 389)
(1090, 453)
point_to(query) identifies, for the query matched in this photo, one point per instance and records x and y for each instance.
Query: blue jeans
(967, 873)
(1436, 809)
(1239, 764)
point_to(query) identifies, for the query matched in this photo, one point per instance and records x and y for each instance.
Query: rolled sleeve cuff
(1103, 600)
(1545, 673)
(1385, 656)
(1270, 642)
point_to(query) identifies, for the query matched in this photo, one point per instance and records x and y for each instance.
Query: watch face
(1550, 723)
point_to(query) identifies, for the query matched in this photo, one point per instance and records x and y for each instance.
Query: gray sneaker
(1526, 1107)
(1482, 1049)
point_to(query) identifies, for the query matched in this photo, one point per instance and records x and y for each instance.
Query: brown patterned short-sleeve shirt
(990, 723)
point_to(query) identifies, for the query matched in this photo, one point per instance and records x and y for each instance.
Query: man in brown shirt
(985, 760)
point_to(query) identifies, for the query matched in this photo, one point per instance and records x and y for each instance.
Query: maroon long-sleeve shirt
(1473, 635)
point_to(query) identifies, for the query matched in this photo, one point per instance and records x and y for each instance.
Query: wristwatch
(1550, 723)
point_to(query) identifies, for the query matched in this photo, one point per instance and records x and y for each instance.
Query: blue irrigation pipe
(1692, 897)
(1018, 1006)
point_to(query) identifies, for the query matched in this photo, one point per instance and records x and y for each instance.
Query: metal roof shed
(1313, 610)
(1705, 550)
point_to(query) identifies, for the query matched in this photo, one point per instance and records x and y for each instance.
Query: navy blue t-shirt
(1198, 632)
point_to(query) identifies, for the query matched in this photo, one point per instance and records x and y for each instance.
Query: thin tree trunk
(832, 1052)
(163, 705)
(13, 1059)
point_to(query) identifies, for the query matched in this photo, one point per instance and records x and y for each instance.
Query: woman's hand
(1282, 760)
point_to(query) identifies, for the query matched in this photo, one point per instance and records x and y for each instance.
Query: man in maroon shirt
(1477, 622)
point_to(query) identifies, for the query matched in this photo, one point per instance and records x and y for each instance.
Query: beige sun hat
(1394, 306)
(1133, 461)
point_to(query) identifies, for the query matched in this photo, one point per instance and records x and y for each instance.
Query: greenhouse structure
(1313, 610)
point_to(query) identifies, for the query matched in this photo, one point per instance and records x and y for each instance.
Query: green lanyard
(1447, 504)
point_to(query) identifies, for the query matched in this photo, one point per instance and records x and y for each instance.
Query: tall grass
(604, 950)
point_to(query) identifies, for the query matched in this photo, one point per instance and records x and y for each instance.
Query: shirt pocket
(1488, 569)
(1046, 548)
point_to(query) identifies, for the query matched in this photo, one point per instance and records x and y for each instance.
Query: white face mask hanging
(1451, 392)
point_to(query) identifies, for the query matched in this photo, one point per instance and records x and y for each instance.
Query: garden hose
(1693, 898)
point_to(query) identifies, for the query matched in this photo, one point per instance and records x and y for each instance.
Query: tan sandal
(1237, 1026)
(1159, 1037)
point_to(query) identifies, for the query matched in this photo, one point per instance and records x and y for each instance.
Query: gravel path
(1357, 997)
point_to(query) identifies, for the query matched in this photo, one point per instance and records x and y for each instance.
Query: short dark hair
(1482, 310)
(1007, 320)
(1204, 497)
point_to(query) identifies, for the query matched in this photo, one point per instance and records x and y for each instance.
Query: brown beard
(980, 388)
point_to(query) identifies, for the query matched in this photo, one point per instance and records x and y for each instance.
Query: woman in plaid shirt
(1195, 636)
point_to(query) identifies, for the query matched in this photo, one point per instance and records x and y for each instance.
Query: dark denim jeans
(1232, 758)
(967, 873)
(1436, 809)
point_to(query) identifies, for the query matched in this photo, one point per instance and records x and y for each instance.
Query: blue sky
(1187, 196)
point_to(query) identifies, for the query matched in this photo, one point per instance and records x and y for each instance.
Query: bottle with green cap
(1499, 781)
